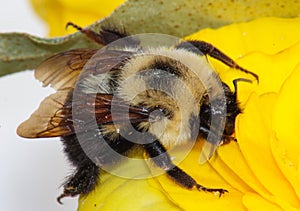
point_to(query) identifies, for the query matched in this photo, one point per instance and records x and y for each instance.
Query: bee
(126, 96)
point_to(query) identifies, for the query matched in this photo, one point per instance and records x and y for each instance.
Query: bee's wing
(62, 70)
(104, 109)
(207, 151)
(54, 117)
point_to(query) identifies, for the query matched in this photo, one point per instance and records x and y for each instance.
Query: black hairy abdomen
(97, 149)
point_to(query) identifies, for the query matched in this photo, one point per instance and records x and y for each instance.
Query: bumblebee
(111, 100)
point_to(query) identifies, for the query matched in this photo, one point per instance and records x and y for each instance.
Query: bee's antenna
(209, 49)
(235, 81)
(248, 72)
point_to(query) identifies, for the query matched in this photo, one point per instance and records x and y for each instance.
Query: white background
(31, 171)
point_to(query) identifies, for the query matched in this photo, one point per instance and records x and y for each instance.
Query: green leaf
(20, 51)
(183, 17)
(175, 17)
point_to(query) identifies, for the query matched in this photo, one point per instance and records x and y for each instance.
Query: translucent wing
(207, 152)
(54, 116)
(105, 109)
(213, 139)
(62, 70)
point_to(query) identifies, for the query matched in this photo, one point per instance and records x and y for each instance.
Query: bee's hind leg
(82, 182)
(87, 171)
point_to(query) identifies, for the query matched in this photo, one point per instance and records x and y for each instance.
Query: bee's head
(232, 110)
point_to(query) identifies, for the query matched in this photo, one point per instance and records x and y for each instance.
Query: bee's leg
(88, 32)
(106, 35)
(82, 182)
(161, 158)
(87, 172)
(209, 49)
(86, 175)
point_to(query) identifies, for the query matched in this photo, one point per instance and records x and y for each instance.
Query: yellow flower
(261, 170)
(57, 13)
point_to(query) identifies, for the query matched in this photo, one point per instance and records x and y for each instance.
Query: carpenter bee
(111, 100)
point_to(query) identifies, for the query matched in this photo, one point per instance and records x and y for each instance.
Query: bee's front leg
(161, 158)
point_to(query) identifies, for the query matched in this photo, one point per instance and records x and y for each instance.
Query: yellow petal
(272, 69)
(229, 172)
(288, 167)
(232, 157)
(255, 202)
(268, 35)
(287, 114)
(285, 142)
(253, 134)
(100, 7)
